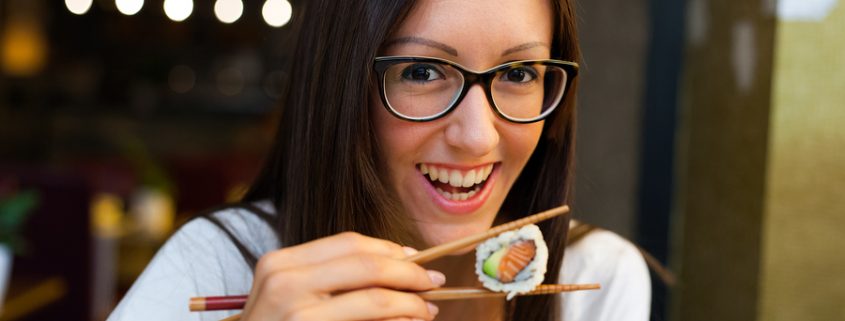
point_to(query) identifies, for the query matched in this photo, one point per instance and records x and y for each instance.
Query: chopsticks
(430, 255)
(444, 249)
(442, 294)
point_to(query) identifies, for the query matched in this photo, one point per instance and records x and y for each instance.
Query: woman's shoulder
(250, 224)
(604, 257)
(602, 247)
(199, 259)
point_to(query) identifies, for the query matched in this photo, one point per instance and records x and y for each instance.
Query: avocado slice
(491, 264)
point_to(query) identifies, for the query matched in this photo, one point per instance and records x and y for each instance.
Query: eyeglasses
(424, 89)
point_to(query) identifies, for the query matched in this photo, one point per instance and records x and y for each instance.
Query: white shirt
(606, 258)
(200, 260)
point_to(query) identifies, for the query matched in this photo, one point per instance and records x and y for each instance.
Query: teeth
(458, 196)
(469, 179)
(444, 176)
(433, 174)
(455, 177)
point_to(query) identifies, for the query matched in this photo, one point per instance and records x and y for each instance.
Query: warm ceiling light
(23, 48)
(78, 6)
(276, 12)
(129, 7)
(178, 10)
(228, 11)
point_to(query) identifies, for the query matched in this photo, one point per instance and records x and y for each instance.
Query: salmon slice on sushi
(513, 262)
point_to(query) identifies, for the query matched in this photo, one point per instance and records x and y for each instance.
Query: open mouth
(456, 184)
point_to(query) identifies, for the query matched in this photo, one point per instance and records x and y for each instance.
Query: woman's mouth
(458, 190)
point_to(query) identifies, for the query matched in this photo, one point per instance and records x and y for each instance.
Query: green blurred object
(13, 212)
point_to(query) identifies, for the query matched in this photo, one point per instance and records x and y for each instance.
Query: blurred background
(709, 134)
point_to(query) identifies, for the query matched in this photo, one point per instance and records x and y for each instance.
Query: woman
(391, 128)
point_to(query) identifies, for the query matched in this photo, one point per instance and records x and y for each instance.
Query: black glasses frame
(483, 78)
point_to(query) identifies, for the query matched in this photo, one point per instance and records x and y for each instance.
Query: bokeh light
(178, 10)
(230, 81)
(277, 13)
(79, 7)
(23, 48)
(129, 7)
(228, 11)
(181, 79)
(273, 83)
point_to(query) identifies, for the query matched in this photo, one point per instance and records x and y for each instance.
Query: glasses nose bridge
(472, 78)
(482, 79)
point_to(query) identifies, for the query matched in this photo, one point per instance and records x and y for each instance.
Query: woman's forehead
(471, 27)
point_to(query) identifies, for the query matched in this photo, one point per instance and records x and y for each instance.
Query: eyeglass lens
(425, 89)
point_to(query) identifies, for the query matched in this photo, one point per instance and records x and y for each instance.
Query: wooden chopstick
(445, 294)
(442, 294)
(445, 249)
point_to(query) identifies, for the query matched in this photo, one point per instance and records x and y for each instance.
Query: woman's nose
(471, 127)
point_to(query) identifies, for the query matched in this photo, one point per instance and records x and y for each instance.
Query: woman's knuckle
(355, 241)
(350, 236)
(392, 248)
(380, 298)
(278, 282)
(263, 266)
(416, 305)
(372, 265)
(413, 300)
(410, 274)
(269, 262)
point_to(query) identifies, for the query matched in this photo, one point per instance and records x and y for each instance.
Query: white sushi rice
(527, 279)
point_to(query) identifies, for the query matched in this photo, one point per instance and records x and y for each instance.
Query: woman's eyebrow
(425, 42)
(454, 52)
(525, 46)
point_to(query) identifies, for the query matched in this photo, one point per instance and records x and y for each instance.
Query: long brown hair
(322, 173)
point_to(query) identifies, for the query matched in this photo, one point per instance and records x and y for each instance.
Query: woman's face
(471, 142)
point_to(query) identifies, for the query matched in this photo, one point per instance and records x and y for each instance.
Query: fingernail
(436, 277)
(409, 250)
(433, 309)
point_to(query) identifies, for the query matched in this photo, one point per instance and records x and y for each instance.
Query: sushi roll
(513, 262)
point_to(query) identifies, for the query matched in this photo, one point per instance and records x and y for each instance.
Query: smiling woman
(414, 123)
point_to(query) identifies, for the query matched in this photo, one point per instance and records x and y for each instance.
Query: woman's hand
(342, 277)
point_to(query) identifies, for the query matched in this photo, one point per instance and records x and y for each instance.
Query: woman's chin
(463, 251)
(451, 234)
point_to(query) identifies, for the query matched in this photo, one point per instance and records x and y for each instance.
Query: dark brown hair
(322, 173)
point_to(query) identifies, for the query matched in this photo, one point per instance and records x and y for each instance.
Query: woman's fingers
(369, 304)
(328, 248)
(350, 273)
(336, 272)
(301, 294)
(366, 270)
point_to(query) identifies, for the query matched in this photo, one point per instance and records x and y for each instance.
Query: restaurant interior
(709, 134)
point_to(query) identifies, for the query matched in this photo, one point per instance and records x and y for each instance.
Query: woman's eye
(421, 72)
(520, 75)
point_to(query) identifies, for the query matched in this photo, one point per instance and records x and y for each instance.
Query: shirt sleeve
(198, 260)
(617, 265)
